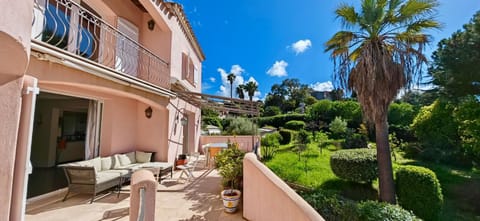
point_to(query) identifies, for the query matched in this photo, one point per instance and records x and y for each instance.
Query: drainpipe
(23, 166)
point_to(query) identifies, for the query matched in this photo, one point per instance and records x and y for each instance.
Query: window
(126, 53)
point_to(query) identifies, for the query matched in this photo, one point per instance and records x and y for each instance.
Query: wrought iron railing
(79, 30)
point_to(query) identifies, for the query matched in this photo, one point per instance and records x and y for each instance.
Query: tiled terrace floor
(196, 200)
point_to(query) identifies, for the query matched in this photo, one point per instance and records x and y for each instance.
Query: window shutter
(184, 66)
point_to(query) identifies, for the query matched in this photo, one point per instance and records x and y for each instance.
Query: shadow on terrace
(176, 199)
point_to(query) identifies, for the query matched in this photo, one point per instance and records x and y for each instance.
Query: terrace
(195, 200)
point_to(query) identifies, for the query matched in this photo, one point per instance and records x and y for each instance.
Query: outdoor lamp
(148, 112)
(184, 121)
(151, 24)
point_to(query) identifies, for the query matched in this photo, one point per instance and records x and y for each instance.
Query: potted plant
(230, 166)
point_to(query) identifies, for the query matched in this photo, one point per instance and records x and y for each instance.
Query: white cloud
(322, 86)
(225, 87)
(278, 69)
(301, 46)
(212, 79)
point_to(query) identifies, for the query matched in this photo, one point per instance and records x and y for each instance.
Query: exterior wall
(267, 197)
(10, 104)
(180, 108)
(180, 44)
(244, 142)
(15, 29)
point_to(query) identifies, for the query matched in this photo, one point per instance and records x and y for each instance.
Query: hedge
(357, 165)
(286, 136)
(373, 211)
(279, 120)
(418, 189)
(295, 125)
(334, 207)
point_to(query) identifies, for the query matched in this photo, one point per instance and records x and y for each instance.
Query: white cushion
(142, 157)
(124, 159)
(107, 163)
(131, 157)
(116, 161)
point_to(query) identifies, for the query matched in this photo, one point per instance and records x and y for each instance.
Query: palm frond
(347, 15)
(415, 8)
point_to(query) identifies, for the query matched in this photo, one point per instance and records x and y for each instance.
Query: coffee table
(159, 169)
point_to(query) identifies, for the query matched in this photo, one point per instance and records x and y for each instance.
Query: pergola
(224, 105)
(219, 103)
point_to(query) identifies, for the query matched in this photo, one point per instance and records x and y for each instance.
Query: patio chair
(188, 168)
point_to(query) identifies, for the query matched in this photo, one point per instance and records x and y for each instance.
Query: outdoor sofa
(102, 173)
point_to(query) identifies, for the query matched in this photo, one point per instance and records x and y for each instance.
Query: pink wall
(15, 30)
(244, 142)
(179, 108)
(10, 104)
(267, 197)
(152, 133)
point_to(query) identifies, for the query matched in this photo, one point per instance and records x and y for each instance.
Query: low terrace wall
(267, 197)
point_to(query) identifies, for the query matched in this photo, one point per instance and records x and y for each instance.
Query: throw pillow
(142, 157)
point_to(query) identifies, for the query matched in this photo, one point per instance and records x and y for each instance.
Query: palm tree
(240, 91)
(379, 52)
(251, 87)
(231, 78)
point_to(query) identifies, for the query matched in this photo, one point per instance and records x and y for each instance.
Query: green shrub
(338, 127)
(350, 111)
(331, 206)
(230, 165)
(357, 165)
(354, 140)
(295, 125)
(215, 121)
(272, 111)
(435, 126)
(279, 120)
(270, 144)
(401, 114)
(373, 211)
(239, 126)
(418, 189)
(286, 136)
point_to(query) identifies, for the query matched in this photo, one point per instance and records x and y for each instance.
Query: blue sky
(255, 39)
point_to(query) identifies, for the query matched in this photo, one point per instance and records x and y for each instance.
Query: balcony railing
(77, 29)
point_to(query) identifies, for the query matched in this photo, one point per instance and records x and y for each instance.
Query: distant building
(321, 95)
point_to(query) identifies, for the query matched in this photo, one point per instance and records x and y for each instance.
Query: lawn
(460, 187)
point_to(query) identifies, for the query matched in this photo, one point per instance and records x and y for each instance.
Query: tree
(455, 62)
(240, 91)
(288, 95)
(379, 52)
(231, 78)
(251, 87)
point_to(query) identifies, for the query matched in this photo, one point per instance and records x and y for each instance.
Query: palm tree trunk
(231, 90)
(385, 173)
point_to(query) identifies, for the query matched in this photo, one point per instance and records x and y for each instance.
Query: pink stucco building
(87, 78)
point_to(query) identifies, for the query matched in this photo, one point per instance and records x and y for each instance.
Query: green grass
(313, 171)
(460, 187)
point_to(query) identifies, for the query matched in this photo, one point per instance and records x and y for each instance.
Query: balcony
(77, 31)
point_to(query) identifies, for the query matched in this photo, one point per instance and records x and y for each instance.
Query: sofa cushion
(142, 157)
(124, 159)
(106, 176)
(117, 171)
(95, 163)
(107, 163)
(131, 157)
(116, 161)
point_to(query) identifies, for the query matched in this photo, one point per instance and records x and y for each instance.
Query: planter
(230, 203)
(180, 162)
